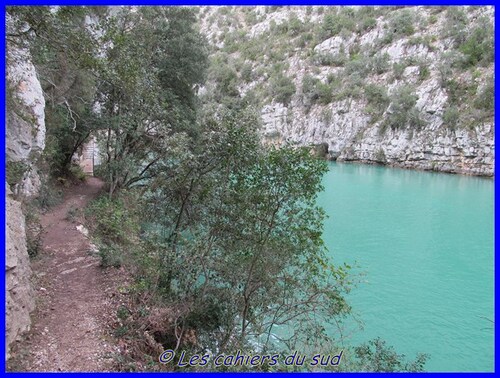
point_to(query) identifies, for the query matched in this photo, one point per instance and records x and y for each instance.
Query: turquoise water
(425, 244)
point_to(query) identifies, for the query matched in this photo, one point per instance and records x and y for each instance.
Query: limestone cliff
(20, 295)
(25, 126)
(409, 87)
(25, 140)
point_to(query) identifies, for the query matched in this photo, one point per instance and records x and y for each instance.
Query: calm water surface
(425, 244)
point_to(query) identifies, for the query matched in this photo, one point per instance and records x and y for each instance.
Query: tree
(241, 243)
(153, 61)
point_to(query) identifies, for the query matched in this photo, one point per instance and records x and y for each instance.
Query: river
(425, 244)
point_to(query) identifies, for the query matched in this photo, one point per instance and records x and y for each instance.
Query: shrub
(449, 61)
(401, 22)
(309, 88)
(250, 17)
(49, 195)
(295, 26)
(246, 72)
(380, 63)
(423, 72)
(111, 255)
(327, 59)
(15, 171)
(478, 47)
(282, 89)
(358, 64)
(77, 173)
(376, 356)
(398, 69)
(304, 39)
(325, 94)
(377, 97)
(451, 117)
(352, 88)
(333, 24)
(486, 97)
(380, 156)
(33, 229)
(315, 91)
(455, 25)
(111, 219)
(402, 111)
(460, 91)
(367, 24)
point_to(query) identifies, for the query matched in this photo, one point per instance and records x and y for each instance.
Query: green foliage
(478, 47)
(247, 72)
(111, 255)
(402, 112)
(295, 26)
(151, 97)
(327, 59)
(402, 22)
(111, 219)
(14, 172)
(65, 53)
(376, 356)
(366, 19)
(251, 17)
(449, 61)
(50, 194)
(77, 172)
(451, 117)
(335, 22)
(315, 91)
(455, 25)
(460, 91)
(72, 214)
(225, 77)
(380, 63)
(358, 64)
(237, 204)
(34, 230)
(423, 72)
(485, 100)
(364, 65)
(114, 225)
(281, 88)
(380, 156)
(377, 99)
(352, 87)
(398, 70)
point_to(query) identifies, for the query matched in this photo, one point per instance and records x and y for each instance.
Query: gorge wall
(409, 87)
(25, 141)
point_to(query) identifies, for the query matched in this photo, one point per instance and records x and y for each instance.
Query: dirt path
(75, 297)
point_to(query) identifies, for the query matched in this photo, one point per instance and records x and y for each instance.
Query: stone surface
(345, 125)
(25, 139)
(20, 294)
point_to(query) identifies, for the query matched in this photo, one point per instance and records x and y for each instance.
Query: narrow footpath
(75, 296)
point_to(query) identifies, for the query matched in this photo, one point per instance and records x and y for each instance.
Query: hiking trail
(76, 298)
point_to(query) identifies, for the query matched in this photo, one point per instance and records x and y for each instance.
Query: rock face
(25, 116)
(348, 85)
(20, 295)
(24, 143)
(464, 151)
